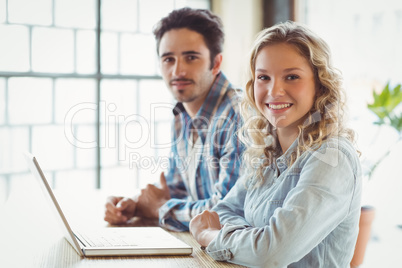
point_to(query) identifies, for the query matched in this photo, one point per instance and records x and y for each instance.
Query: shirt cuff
(221, 255)
(168, 221)
(216, 247)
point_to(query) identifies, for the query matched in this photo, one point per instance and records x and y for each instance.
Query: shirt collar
(178, 108)
(202, 119)
(284, 159)
(220, 84)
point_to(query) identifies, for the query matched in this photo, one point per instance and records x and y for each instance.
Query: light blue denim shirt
(308, 216)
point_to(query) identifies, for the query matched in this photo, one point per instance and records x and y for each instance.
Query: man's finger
(113, 199)
(114, 219)
(122, 204)
(163, 181)
(110, 207)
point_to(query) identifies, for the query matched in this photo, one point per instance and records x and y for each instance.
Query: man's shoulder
(231, 100)
(234, 93)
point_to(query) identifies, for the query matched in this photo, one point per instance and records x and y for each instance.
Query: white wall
(242, 20)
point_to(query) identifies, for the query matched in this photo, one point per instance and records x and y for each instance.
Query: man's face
(185, 65)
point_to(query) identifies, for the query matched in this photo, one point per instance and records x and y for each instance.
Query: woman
(298, 202)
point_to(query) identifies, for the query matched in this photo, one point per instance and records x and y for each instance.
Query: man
(204, 164)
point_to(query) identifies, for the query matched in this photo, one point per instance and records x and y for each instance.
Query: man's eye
(167, 59)
(191, 57)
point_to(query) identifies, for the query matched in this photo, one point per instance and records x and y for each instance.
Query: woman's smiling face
(284, 86)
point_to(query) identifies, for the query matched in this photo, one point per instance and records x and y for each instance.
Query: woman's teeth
(279, 106)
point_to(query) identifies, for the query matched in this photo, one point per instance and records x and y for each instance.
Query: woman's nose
(276, 88)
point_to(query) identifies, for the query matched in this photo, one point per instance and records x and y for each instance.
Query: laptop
(110, 241)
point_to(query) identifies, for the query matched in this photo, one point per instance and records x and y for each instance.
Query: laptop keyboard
(102, 240)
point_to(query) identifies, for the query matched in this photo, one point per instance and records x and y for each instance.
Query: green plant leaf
(381, 112)
(383, 106)
(396, 97)
(396, 122)
(385, 102)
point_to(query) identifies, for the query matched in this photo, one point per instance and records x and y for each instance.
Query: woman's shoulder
(333, 148)
(339, 143)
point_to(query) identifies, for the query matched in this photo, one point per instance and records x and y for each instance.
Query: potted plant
(385, 107)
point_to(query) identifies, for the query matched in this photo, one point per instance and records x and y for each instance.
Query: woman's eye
(263, 77)
(292, 77)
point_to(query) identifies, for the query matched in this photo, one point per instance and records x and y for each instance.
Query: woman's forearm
(206, 236)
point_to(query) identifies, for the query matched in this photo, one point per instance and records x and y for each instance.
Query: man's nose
(179, 69)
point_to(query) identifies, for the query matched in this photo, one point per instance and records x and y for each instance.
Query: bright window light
(38, 12)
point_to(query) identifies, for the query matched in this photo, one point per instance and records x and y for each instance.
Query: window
(67, 82)
(365, 38)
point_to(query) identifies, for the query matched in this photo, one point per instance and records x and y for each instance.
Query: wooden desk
(29, 237)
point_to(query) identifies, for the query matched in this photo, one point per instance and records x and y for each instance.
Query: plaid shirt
(216, 161)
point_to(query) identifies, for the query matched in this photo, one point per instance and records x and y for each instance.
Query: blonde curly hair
(324, 120)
